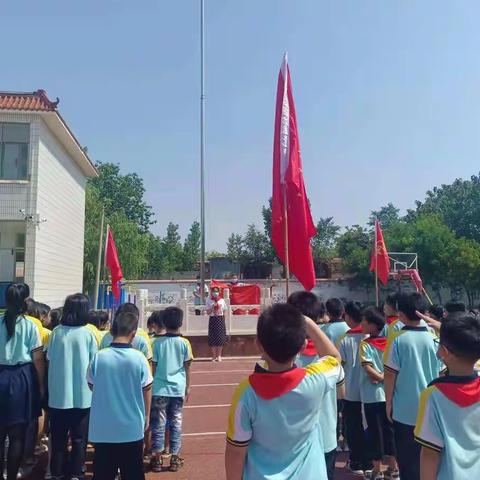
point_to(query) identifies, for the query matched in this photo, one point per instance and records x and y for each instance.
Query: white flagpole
(99, 262)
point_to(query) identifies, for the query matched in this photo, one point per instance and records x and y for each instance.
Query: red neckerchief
(310, 350)
(463, 391)
(391, 319)
(269, 385)
(377, 342)
(357, 329)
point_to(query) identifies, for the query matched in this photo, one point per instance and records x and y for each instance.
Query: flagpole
(104, 276)
(99, 262)
(377, 300)
(202, 150)
(287, 259)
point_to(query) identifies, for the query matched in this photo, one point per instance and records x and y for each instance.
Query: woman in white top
(217, 331)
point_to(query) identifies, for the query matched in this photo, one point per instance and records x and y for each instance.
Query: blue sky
(387, 96)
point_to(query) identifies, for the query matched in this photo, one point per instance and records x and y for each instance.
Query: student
(273, 422)
(411, 363)
(380, 430)
(22, 371)
(309, 305)
(217, 330)
(336, 325)
(454, 306)
(437, 312)
(121, 382)
(55, 317)
(141, 341)
(449, 415)
(157, 324)
(70, 350)
(172, 355)
(99, 320)
(390, 308)
(348, 345)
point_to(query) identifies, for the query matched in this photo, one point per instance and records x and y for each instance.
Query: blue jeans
(166, 409)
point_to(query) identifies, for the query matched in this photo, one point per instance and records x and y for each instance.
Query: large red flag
(380, 262)
(113, 264)
(289, 188)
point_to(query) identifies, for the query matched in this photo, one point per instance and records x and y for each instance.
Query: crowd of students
(399, 387)
(71, 377)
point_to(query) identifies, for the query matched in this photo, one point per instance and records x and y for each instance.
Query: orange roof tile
(34, 101)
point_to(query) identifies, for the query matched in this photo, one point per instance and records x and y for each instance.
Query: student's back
(278, 415)
(139, 343)
(70, 351)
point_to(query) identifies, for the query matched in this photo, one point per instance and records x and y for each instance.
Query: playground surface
(205, 420)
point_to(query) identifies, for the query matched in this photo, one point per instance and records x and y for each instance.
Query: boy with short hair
(309, 305)
(120, 379)
(157, 324)
(348, 345)
(449, 415)
(454, 307)
(273, 422)
(336, 325)
(172, 356)
(411, 363)
(380, 430)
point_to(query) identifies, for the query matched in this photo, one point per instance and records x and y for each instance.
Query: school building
(43, 174)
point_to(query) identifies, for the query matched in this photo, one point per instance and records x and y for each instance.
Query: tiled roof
(34, 101)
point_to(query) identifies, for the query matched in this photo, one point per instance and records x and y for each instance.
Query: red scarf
(377, 342)
(357, 329)
(268, 385)
(462, 394)
(310, 350)
(391, 319)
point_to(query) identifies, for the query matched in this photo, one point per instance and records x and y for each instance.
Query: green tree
(123, 193)
(324, 242)
(388, 215)
(257, 247)
(172, 249)
(235, 250)
(191, 248)
(458, 205)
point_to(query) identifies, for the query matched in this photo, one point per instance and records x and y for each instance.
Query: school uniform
(118, 375)
(170, 353)
(19, 388)
(348, 346)
(411, 354)
(69, 352)
(277, 416)
(448, 422)
(328, 425)
(139, 343)
(380, 430)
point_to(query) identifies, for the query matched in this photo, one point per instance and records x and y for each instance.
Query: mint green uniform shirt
(370, 355)
(69, 352)
(19, 348)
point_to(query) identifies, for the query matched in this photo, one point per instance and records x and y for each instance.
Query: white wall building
(43, 173)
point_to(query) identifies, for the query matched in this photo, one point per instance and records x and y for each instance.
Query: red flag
(380, 261)
(289, 188)
(113, 264)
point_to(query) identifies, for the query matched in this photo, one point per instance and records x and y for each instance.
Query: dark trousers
(408, 451)
(110, 457)
(355, 434)
(65, 423)
(16, 444)
(330, 458)
(380, 431)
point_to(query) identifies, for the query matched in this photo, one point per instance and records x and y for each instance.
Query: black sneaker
(356, 468)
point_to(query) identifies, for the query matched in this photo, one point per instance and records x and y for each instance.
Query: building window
(14, 143)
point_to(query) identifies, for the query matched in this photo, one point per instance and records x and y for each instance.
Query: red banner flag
(380, 263)
(113, 264)
(289, 195)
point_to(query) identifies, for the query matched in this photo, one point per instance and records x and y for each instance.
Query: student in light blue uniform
(21, 367)
(380, 430)
(172, 355)
(308, 304)
(410, 363)
(273, 427)
(70, 350)
(121, 382)
(449, 414)
(336, 326)
(348, 345)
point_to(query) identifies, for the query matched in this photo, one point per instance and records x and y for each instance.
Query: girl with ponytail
(21, 376)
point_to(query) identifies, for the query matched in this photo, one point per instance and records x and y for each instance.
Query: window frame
(3, 152)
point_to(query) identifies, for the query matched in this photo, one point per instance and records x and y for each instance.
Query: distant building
(43, 174)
